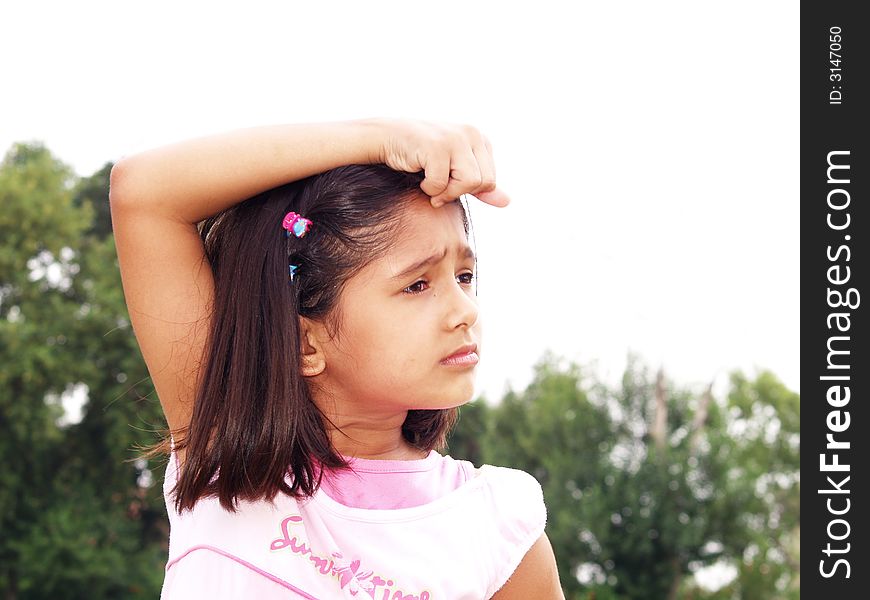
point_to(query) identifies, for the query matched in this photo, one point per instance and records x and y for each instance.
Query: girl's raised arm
(195, 179)
(158, 196)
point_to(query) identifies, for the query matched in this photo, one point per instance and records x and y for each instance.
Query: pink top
(435, 528)
(390, 484)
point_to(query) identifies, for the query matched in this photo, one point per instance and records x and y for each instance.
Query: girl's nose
(464, 309)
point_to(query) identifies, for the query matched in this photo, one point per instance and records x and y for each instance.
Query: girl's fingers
(465, 177)
(496, 197)
(487, 191)
(437, 172)
(456, 160)
(483, 155)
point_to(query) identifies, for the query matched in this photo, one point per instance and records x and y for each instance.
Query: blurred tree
(467, 440)
(553, 431)
(764, 450)
(659, 513)
(75, 520)
(647, 483)
(94, 190)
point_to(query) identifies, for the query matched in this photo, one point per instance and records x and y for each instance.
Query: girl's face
(403, 314)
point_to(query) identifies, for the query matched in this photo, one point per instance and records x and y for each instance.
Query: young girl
(304, 299)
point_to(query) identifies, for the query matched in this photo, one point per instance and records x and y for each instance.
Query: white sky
(651, 148)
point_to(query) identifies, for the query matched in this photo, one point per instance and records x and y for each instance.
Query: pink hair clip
(296, 224)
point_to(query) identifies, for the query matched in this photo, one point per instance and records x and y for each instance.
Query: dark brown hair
(255, 430)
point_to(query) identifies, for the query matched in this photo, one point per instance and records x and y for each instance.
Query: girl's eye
(466, 278)
(416, 288)
(421, 286)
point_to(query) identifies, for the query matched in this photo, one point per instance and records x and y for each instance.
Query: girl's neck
(363, 429)
(375, 445)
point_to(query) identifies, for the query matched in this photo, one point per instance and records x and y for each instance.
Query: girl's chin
(444, 403)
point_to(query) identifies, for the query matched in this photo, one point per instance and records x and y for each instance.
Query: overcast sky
(650, 148)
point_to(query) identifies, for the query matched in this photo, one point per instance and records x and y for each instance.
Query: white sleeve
(518, 520)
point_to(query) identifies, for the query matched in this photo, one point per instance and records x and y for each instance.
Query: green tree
(75, 521)
(646, 483)
(94, 190)
(555, 432)
(471, 433)
(764, 449)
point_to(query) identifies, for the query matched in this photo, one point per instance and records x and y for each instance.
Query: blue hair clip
(295, 224)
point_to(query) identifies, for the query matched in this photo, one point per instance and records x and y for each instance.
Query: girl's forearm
(196, 179)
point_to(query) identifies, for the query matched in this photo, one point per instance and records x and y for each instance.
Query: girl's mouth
(463, 357)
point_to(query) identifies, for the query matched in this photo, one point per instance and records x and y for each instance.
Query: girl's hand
(456, 159)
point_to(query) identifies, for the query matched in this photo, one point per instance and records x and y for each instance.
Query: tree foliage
(634, 511)
(75, 522)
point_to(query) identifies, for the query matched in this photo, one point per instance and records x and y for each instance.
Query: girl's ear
(313, 357)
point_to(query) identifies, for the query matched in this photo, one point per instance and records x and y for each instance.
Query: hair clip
(293, 269)
(296, 224)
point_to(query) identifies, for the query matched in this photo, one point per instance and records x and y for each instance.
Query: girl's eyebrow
(463, 251)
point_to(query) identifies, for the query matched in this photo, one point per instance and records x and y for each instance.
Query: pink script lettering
(347, 575)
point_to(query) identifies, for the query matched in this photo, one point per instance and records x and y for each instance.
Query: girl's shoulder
(515, 491)
(511, 499)
(519, 517)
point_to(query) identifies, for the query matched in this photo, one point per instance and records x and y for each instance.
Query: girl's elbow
(119, 184)
(131, 185)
